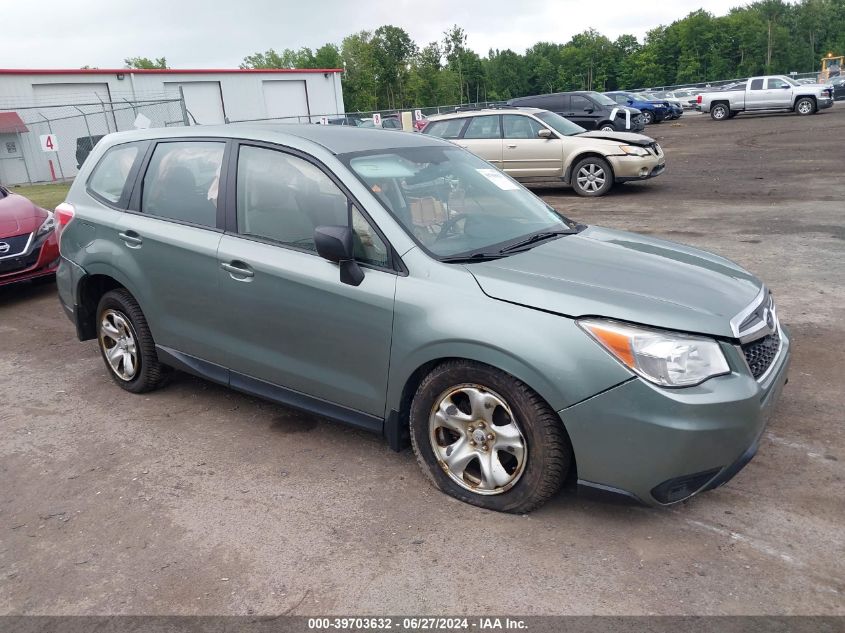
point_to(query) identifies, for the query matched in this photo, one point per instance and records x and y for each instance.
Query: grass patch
(45, 196)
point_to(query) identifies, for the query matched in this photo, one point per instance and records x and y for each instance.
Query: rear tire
(126, 343)
(601, 181)
(720, 112)
(648, 117)
(805, 106)
(520, 442)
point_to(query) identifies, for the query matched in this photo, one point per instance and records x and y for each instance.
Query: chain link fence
(49, 143)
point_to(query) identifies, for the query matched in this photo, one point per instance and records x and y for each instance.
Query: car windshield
(788, 80)
(601, 99)
(559, 124)
(453, 203)
(643, 97)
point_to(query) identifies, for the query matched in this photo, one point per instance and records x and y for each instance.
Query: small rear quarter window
(108, 180)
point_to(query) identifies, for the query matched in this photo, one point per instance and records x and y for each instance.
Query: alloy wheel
(477, 440)
(591, 177)
(117, 338)
(805, 107)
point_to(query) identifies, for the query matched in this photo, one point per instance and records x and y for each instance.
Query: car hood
(18, 215)
(631, 138)
(620, 275)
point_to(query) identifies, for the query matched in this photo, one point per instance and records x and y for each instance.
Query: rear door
(524, 153)
(168, 238)
(289, 321)
(483, 137)
(756, 96)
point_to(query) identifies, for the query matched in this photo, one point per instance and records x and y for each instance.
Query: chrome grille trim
(25, 250)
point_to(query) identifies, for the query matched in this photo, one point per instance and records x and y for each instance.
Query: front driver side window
(518, 126)
(283, 198)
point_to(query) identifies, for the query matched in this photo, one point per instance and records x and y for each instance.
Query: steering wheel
(448, 225)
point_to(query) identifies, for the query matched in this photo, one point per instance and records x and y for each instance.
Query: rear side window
(108, 179)
(450, 128)
(484, 127)
(182, 180)
(756, 84)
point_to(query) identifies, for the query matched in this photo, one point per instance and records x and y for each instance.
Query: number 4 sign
(49, 143)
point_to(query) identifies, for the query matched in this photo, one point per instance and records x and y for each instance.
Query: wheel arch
(399, 436)
(90, 289)
(573, 160)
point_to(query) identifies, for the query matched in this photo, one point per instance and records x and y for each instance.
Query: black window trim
(134, 202)
(128, 186)
(395, 265)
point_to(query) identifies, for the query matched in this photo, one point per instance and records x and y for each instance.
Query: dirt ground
(198, 500)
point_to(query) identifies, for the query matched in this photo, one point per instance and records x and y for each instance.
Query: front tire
(720, 112)
(592, 177)
(607, 127)
(805, 106)
(487, 439)
(126, 343)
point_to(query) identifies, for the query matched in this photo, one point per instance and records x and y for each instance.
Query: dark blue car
(654, 110)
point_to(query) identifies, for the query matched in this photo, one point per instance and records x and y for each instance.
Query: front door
(778, 93)
(524, 153)
(290, 321)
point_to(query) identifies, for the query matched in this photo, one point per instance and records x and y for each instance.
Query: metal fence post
(23, 158)
(87, 127)
(185, 120)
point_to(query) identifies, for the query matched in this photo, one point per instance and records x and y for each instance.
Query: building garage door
(286, 98)
(75, 93)
(203, 100)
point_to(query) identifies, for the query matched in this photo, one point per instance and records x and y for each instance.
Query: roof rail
(495, 106)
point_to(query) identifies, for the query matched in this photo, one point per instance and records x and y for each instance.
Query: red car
(28, 245)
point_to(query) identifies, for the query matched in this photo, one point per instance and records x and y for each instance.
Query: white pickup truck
(766, 94)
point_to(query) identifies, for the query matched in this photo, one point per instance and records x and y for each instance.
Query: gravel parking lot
(198, 500)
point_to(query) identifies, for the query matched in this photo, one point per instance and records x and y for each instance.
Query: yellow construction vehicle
(831, 67)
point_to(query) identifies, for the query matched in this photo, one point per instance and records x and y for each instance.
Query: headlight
(634, 150)
(664, 358)
(48, 225)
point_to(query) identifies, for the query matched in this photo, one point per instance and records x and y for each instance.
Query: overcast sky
(216, 34)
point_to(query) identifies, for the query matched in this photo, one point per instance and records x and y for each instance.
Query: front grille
(22, 262)
(15, 245)
(759, 354)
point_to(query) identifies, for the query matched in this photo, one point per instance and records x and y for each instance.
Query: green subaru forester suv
(397, 283)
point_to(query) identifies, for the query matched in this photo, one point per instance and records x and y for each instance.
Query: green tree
(392, 52)
(145, 62)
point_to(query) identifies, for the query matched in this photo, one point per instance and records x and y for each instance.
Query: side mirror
(544, 133)
(630, 102)
(335, 243)
(786, 87)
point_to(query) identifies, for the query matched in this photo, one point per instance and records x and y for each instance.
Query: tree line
(386, 69)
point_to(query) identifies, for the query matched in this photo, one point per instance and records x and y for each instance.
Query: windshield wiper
(473, 257)
(533, 239)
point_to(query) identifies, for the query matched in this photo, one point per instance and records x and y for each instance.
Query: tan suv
(532, 144)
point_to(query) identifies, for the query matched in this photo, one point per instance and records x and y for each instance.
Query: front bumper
(627, 168)
(660, 446)
(823, 103)
(41, 260)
